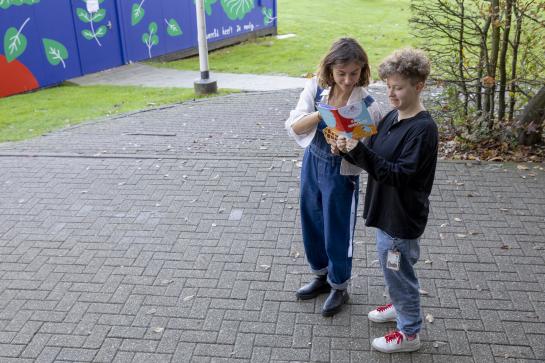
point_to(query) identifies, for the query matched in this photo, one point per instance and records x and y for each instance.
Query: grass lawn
(380, 25)
(33, 114)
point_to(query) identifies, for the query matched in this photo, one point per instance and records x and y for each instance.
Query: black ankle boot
(317, 286)
(334, 302)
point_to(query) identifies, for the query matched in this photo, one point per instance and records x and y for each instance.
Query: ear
(420, 86)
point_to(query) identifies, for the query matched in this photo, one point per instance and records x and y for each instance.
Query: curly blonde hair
(343, 51)
(408, 62)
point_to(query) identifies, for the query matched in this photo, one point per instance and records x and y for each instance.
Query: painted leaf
(152, 27)
(137, 14)
(267, 15)
(4, 4)
(14, 44)
(208, 6)
(237, 9)
(145, 38)
(56, 52)
(154, 40)
(173, 28)
(99, 15)
(83, 15)
(101, 31)
(87, 34)
(17, 2)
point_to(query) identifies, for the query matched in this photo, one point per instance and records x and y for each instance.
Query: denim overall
(328, 210)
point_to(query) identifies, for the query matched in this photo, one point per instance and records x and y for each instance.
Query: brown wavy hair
(343, 51)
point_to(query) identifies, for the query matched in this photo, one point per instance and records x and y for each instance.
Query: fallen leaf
(423, 292)
(505, 247)
(458, 219)
(265, 267)
(429, 318)
(429, 262)
(460, 235)
(522, 167)
(443, 225)
(187, 298)
(437, 344)
(158, 329)
(151, 311)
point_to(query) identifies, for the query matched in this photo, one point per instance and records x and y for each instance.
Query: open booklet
(352, 121)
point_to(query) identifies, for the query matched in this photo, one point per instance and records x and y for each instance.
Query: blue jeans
(403, 284)
(328, 215)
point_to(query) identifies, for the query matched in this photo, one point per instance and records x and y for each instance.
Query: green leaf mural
(56, 52)
(237, 9)
(92, 19)
(4, 4)
(14, 42)
(101, 31)
(83, 15)
(208, 6)
(267, 15)
(87, 34)
(99, 15)
(137, 13)
(151, 39)
(173, 28)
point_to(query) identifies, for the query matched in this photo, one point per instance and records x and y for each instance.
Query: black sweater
(401, 160)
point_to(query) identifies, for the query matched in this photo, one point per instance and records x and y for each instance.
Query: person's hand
(346, 145)
(334, 149)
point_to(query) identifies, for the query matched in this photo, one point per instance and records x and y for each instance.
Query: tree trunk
(483, 62)
(502, 62)
(514, 62)
(495, 47)
(461, 44)
(532, 119)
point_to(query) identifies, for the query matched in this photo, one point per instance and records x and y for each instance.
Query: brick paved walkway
(172, 235)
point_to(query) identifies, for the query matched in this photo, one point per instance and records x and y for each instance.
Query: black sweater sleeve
(414, 154)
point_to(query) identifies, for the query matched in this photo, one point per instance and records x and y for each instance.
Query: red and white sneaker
(383, 314)
(396, 342)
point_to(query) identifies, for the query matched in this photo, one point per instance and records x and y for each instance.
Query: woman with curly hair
(400, 161)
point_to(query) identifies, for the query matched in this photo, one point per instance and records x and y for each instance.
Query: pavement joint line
(210, 156)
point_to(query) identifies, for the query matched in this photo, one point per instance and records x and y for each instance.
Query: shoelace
(394, 335)
(383, 308)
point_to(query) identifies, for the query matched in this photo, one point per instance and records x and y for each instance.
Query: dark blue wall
(115, 36)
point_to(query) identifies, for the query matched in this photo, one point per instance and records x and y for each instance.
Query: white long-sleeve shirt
(306, 106)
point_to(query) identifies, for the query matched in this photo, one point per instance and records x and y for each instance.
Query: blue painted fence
(48, 41)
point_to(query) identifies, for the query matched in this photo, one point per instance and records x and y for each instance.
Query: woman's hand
(334, 149)
(346, 145)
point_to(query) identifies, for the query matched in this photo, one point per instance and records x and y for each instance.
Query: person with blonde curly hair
(400, 161)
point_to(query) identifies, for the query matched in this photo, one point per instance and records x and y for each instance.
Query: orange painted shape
(15, 77)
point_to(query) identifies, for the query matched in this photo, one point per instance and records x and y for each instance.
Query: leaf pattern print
(91, 19)
(56, 52)
(151, 39)
(173, 28)
(237, 9)
(137, 13)
(15, 42)
(4, 4)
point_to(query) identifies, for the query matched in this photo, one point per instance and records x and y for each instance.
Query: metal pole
(204, 85)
